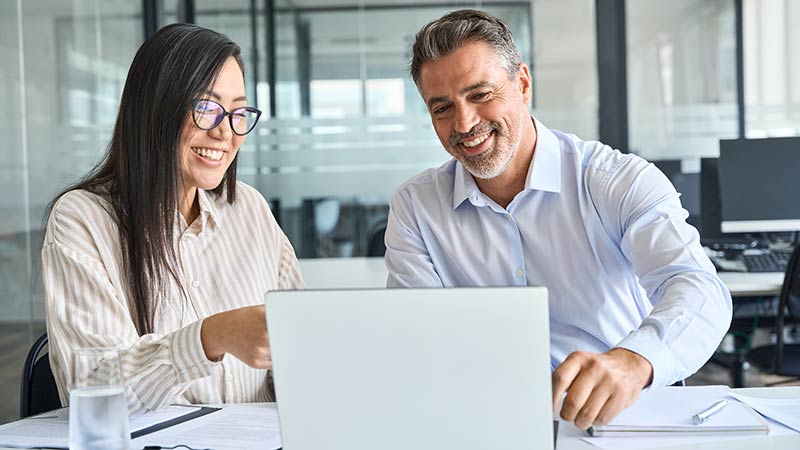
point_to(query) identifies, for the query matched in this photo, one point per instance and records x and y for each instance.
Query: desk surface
(343, 273)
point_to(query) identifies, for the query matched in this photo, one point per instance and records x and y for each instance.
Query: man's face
(476, 109)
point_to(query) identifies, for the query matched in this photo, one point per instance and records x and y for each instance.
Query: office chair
(781, 358)
(375, 239)
(39, 392)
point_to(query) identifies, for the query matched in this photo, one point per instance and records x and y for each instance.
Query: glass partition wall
(347, 125)
(64, 66)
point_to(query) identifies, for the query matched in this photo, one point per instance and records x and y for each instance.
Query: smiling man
(634, 301)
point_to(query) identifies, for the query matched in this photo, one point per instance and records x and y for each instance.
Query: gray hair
(447, 34)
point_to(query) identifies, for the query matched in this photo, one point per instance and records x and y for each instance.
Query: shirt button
(519, 273)
(195, 283)
(229, 377)
(195, 370)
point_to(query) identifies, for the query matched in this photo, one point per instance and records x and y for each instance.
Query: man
(634, 301)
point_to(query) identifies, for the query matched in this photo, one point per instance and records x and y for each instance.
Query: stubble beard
(493, 161)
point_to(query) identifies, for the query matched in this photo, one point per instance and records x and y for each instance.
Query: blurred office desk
(344, 273)
(753, 284)
(362, 272)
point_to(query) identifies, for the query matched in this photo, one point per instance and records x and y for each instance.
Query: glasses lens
(244, 119)
(207, 114)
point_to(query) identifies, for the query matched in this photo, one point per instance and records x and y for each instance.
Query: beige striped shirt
(227, 258)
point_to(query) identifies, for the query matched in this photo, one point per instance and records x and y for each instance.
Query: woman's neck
(189, 207)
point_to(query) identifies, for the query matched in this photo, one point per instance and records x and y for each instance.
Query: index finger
(563, 377)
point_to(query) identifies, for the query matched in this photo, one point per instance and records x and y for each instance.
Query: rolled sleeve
(187, 354)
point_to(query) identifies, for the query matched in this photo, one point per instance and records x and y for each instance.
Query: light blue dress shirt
(603, 231)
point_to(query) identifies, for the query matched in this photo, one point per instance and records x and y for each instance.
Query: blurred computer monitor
(710, 214)
(758, 183)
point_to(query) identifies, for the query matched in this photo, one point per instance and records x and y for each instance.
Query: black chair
(375, 239)
(781, 358)
(38, 392)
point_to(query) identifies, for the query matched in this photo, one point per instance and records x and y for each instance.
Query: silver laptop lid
(465, 368)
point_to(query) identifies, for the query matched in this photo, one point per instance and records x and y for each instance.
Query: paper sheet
(783, 410)
(234, 427)
(51, 429)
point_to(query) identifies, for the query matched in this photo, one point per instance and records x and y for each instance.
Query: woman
(159, 251)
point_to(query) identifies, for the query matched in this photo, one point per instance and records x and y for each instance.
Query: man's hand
(599, 386)
(241, 332)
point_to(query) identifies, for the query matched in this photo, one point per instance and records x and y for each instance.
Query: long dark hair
(140, 174)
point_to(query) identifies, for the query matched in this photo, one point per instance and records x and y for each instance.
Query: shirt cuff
(187, 354)
(654, 351)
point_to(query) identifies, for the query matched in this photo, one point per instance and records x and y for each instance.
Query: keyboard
(766, 260)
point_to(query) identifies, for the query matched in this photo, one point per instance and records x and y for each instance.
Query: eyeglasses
(208, 114)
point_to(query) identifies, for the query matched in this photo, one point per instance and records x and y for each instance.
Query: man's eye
(441, 109)
(480, 96)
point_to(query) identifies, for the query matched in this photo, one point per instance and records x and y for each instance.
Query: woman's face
(207, 154)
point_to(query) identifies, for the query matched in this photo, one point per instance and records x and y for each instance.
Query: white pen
(705, 414)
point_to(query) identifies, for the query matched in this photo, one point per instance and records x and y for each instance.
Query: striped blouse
(227, 258)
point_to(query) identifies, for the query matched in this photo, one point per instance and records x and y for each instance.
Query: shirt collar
(208, 208)
(544, 173)
(464, 186)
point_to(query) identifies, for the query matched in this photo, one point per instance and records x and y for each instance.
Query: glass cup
(98, 410)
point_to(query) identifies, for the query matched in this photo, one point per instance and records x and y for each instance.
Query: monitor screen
(759, 181)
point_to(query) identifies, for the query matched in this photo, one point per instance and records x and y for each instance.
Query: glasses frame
(225, 112)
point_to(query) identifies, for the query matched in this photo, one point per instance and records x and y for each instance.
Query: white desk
(344, 273)
(341, 273)
(753, 284)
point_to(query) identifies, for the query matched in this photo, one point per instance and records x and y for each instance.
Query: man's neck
(504, 187)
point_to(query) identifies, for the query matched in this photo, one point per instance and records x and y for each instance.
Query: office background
(343, 124)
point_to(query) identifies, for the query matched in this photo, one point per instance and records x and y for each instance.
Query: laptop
(461, 368)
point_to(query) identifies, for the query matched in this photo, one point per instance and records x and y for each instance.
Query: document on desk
(51, 429)
(670, 410)
(783, 410)
(234, 427)
(667, 413)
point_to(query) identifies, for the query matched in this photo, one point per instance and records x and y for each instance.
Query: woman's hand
(241, 332)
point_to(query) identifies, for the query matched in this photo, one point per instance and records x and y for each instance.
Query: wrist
(642, 366)
(211, 339)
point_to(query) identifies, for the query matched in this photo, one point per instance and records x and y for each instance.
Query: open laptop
(464, 368)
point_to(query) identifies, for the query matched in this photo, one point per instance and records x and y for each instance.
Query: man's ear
(525, 83)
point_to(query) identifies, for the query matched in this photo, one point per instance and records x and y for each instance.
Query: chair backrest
(789, 303)
(38, 392)
(375, 239)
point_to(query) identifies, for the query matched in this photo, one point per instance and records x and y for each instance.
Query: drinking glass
(98, 410)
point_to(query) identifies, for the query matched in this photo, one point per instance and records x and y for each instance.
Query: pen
(705, 414)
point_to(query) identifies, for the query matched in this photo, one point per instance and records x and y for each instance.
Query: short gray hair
(452, 31)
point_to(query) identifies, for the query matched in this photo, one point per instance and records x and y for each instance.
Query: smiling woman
(159, 251)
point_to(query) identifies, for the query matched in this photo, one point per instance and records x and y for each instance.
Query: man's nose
(465, 119)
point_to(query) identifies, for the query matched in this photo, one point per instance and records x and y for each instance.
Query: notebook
(465, 368)
(669, 411)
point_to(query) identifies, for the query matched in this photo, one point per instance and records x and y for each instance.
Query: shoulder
(78, 216)
(251, 207)
(434, 183)
(249, 195)
(81, 206)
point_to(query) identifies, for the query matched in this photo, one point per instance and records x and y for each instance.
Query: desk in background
(343, 273)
